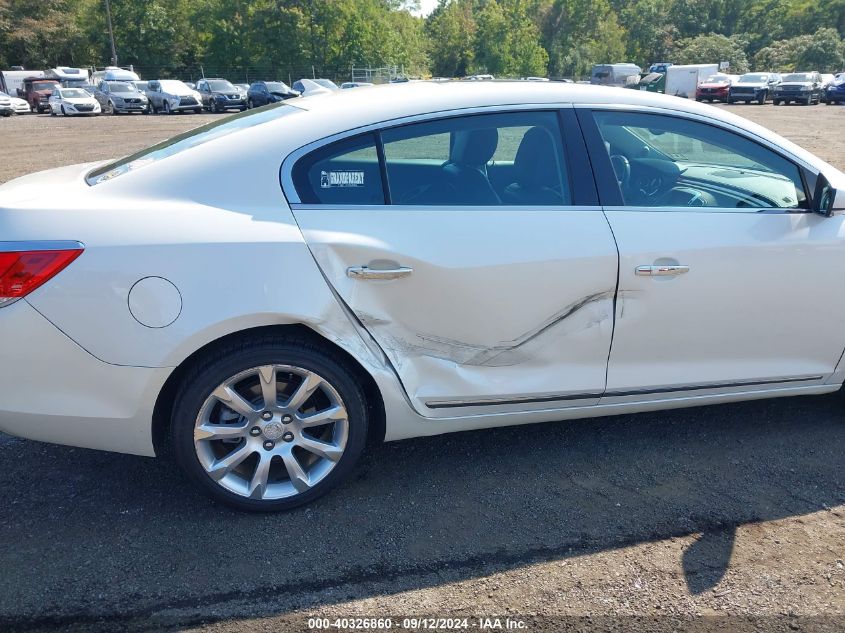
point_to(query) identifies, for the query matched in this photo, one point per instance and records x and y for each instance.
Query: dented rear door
(482, 302)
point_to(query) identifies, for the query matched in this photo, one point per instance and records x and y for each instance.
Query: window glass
(664, 161)
(512, 159)
(346, 172)
(189, 139)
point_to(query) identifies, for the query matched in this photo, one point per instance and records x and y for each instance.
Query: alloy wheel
(271, 432)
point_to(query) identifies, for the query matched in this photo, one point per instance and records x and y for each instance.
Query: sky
(427, 6)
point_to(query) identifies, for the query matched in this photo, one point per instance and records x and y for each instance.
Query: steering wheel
(622, 169)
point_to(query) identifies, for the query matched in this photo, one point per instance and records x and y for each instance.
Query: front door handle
(365, 272)
(661, 271)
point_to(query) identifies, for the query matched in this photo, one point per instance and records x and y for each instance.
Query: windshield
(277, 86)
(221, 85)
(121, 86)
(805, 77)
(716, 79)
(192, 138)
(326, 83)
(173, 85)
(141, 85)
(74, 93)
(43, 85)
(753, 79)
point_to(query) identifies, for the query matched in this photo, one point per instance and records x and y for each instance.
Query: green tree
(713, 48)
(451, 30)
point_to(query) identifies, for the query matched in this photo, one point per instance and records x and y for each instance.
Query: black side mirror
(824, 198)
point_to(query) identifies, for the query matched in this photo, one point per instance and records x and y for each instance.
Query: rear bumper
(51, 390)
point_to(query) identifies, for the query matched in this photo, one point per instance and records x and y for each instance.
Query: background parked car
(613, 74)
(16, 104)
(37, 92)
(715, 88)
(302, 85)
(263, 92)
(171, 95)
(750, 87)
(242, 87)
(118, 97)
(219, 95)
(354, 84)
(803, 88)
(836, 91)
(141, 85)
(6, 105)
(73, 102)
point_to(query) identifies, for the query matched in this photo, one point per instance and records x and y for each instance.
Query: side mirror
(824, 198)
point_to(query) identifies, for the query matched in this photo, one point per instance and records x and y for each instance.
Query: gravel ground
(646, 522)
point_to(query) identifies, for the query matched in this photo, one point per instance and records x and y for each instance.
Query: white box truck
(681, 81)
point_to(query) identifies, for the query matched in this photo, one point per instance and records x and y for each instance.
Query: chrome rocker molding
(453, 404)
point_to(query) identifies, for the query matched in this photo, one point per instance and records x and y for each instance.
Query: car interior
(470, 165)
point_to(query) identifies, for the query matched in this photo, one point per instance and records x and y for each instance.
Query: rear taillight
(23, 271)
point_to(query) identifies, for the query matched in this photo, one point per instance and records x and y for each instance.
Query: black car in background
(264, 92)
(219, 95)
(806, 88)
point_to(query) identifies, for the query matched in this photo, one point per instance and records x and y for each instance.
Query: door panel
(744, 294)
(759, 303)
(509, 304)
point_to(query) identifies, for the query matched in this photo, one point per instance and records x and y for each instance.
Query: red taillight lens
(21, 272)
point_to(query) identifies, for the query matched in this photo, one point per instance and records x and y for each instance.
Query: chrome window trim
(729, 127)
(289, 189)
(439, 208)
(33, 245)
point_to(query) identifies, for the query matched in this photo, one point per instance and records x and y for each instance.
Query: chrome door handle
(661, 271)
(364, 272)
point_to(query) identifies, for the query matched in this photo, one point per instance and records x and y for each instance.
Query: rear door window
(346, 172)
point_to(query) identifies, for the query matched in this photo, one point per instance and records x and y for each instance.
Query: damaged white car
(412, 260)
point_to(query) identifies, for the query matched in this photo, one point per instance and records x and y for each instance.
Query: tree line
(511, 38)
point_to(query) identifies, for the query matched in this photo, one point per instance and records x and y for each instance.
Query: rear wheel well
(164, 403)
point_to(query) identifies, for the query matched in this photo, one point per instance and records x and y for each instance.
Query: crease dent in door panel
(587, 312)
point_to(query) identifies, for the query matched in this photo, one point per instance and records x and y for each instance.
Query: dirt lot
(627, 523)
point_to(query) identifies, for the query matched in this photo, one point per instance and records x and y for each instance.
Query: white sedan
(13, 105)
(73, 102)
(412, 260)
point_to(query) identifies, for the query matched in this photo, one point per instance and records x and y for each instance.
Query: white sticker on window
(341, 179)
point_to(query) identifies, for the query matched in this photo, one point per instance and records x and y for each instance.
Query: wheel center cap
(273, 430)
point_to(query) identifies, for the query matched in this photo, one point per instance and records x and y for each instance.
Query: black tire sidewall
(213, 373)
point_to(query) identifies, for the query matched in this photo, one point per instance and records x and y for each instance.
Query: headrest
(474, 147)
(535, 163)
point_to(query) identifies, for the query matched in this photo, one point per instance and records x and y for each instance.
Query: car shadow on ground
(94, 537)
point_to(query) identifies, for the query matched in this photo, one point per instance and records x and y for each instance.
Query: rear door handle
(364, 272)
(661, 271)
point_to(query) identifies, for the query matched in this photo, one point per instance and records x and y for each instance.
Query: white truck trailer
(681, 81)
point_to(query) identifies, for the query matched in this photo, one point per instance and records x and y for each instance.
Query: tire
(763, 98)
(167, 109)
(241, 363)
(52, 112)
(110, 107)
(213, 108)
(776, 102)
(250, 104)
(197, 110)
(63, 111)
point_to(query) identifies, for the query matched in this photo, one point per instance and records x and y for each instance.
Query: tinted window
(663, 161)
(346, 172)
(497, 159)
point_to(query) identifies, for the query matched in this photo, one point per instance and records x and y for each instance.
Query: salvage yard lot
(735, 510)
